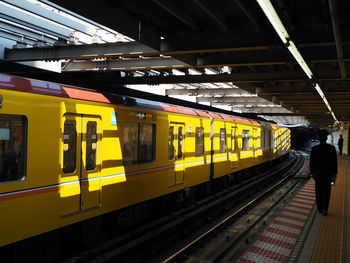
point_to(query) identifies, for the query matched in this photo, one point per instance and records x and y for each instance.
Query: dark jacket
(323, 162)
(340, 141)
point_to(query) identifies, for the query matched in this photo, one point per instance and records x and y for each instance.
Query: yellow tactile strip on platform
(330, 246)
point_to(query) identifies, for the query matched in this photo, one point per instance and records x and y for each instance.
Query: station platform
(301, 234)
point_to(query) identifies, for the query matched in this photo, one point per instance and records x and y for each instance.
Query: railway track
(183, 235)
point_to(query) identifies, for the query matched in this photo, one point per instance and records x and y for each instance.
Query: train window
(69, 146)
(273, 143)
(233, 140)
(13, 143)
(245, 140)
(199, 151)
(180, 141)
(139, 143)
(91, 145)
(222, 140)
(146, 147)
(130, 142)
(171, 148)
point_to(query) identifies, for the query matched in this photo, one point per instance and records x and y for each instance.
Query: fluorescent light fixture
(210, 71)
(275, 21)
(194, 72)
(271, 14)
(226, 69)
(178, 72)
(296, 54)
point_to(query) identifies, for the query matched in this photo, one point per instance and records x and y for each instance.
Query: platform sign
(114, 118)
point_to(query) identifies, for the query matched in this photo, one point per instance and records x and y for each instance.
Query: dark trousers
(340, 149)
(323, 195)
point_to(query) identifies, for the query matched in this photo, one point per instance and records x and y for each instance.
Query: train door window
(233, 140)
(180, 142)
(146, 147)
(171, 148)
(13, 143)
(130, 142)
(245, 140)
(273, 143)
(199, 151)
(268, 138)
(91, 145)
(69, 146)
(262, 138)
(222, 140)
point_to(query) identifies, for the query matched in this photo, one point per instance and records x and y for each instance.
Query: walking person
(340, 144)
(323, 167)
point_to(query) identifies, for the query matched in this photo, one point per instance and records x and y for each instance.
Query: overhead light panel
(296, 54)
(275, 21)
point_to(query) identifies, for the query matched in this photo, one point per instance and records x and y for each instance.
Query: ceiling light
(271, 14)
(296, 54)
(210, 71)
(275, 21)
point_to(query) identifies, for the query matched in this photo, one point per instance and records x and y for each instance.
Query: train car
(69, 154)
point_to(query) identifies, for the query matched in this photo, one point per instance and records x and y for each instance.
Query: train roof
(10, 82)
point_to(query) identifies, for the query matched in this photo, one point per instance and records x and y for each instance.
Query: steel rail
(206, 235)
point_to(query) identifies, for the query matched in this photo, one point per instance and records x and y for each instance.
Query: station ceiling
(233, 38)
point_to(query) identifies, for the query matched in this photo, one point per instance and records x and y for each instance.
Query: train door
(176, 139)
(91, 171)
(255, 136)
(80, 184)
(234, 164)
(69, 190)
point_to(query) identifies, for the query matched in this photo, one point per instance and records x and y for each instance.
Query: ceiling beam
(209, 10)
(333, 9)
(114, 17)
(176, 12)
(237, 78)
(105, 50)
(240, 99)
(205, 91)
(127, 64)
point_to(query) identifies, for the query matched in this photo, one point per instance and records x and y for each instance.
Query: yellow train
(69, 154)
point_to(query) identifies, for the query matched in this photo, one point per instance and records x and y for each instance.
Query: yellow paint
(84, 194)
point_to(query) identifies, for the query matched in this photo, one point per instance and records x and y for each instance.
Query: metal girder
(233, 77)
(210, 11)
(266, 57)
(261, 109)
(105, 50)
(337, 101)
(227, 100)
(333, 9)
(301, 94)
(81, 24)
(206, 91)
(25, 35)
(176, 12)
(46, 27)
(129, 64)
(13, 37)
(114, 17)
